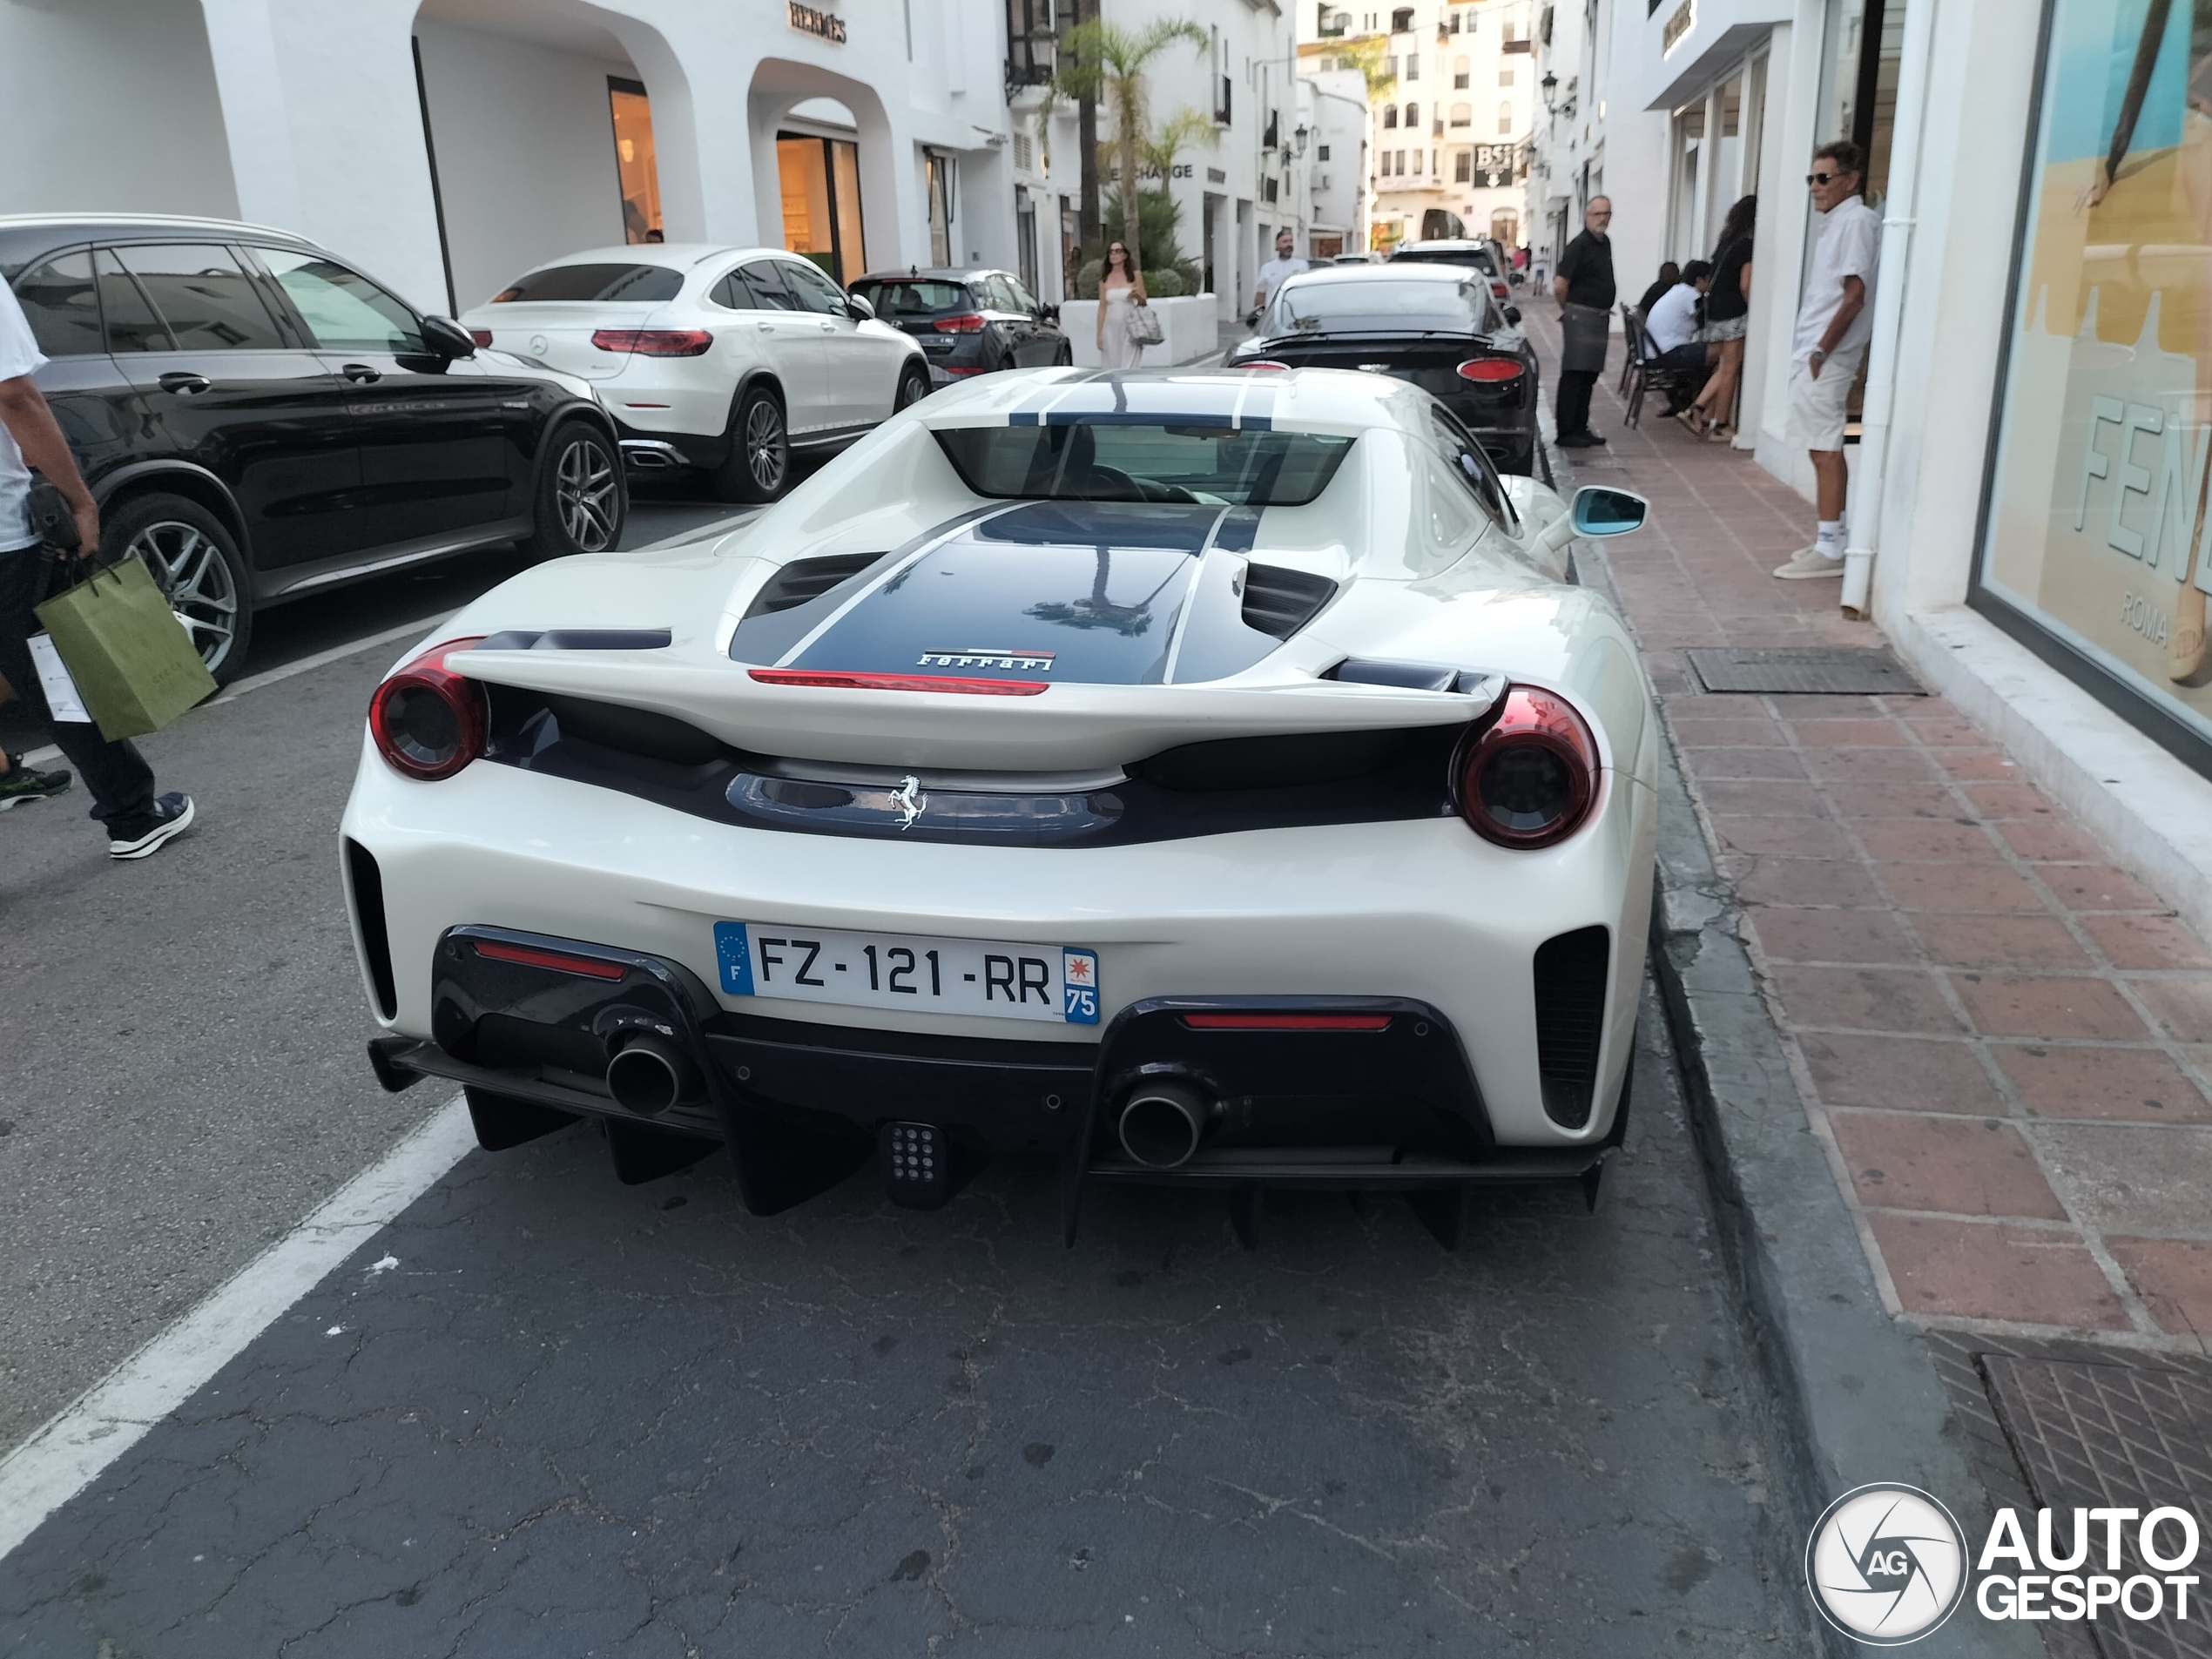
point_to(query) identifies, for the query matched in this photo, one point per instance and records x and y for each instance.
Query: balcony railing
(1272, 138)
(1030, 44)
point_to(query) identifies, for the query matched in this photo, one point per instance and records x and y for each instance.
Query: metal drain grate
(2132, 1435)
(1803, 670)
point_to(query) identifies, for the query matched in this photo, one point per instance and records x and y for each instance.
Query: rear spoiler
(1068, 727)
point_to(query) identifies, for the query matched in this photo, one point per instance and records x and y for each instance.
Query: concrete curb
(1852, 1393)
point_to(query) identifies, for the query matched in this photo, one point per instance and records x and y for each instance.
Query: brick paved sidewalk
(2003, 1040)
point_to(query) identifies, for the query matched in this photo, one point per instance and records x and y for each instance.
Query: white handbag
(1144, 327)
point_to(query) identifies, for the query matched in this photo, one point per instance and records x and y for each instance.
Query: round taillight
(1529, 779)
(1490, 370)
(428, 722)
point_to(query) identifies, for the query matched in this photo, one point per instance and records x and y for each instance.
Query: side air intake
(1570, 1020)
(1281, 602)
(804, 579)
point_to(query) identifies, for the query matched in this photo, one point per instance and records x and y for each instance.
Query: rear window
(1383, 305)
(638, 284)
(61, 304)
(1478, 257)
(910, 298)
(1216, 465)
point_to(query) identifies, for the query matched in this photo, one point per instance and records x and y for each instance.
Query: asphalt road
(572, 1417)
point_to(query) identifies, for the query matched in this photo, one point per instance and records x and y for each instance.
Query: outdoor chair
(1642, 375)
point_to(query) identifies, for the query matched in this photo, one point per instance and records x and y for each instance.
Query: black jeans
(120, 782)
(1573, 406)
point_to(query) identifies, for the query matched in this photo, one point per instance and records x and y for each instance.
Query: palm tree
(1101, 59)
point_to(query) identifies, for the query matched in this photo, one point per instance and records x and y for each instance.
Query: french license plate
(1007, 982)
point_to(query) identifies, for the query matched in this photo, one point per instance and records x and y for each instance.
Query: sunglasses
(1824, 178)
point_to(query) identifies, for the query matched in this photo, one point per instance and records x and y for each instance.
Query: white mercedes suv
(727, 359)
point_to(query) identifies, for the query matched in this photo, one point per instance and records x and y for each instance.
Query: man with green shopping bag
(139, 822)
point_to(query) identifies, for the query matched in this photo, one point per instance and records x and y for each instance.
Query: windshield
(909, 298)
(642, 283)
(1214, 465)
(1385, 305)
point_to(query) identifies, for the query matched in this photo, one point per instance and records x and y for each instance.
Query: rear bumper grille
(1571, 972)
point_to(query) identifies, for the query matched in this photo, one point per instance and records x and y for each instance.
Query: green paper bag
(135, 666)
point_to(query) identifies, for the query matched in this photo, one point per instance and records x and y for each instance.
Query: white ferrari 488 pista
(1210, 778)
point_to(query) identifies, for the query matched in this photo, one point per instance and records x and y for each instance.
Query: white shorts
(1816, 405)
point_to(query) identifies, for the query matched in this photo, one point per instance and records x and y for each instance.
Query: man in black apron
(1583, 287)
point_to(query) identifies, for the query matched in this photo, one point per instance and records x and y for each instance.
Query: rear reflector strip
(1286, 1022)
(551, 960)
(897, 682)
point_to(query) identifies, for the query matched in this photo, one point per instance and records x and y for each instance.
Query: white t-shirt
(1276, 271)
(19, 355)
(1673, 320)
(1850, 245)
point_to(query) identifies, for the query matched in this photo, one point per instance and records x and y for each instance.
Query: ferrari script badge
(989, 657)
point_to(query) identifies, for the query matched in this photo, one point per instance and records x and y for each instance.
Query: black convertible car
(1438, 325)
(259, 421)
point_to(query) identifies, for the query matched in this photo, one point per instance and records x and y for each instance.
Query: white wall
(111, 106)
(525, 150)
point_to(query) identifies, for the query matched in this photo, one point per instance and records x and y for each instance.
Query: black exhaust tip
(650, 1074)
(1162, 1123)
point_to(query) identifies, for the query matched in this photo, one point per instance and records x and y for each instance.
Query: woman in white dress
(1120, 289)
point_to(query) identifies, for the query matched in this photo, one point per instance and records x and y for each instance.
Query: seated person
(1670, 275)
(1670, 328)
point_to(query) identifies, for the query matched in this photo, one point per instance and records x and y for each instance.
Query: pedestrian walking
(1583, 287)
(1121, 290)
(1728, 312)
(1276, 271)
(138, 821)
(1833, 323)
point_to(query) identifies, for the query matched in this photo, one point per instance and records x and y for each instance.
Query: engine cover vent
(804, 579)
(1281, 602)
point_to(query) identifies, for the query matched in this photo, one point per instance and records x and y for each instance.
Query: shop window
(1413, 115)
(820, 178)
(938, 182)
(1390, 115)
(2094, 539)
(634, 166)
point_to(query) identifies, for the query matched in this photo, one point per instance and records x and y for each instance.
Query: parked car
(1488, 257)
(1202, 777)
(1436, 326)
(260, 421)
(968, 321)
(730, 360)
(1352, 258)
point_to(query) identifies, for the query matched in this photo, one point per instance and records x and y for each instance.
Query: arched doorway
(552, 127)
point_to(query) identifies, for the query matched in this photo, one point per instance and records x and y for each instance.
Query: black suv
(971, 320)
(260, 422)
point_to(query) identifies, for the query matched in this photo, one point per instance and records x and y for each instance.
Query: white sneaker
(1809, 564)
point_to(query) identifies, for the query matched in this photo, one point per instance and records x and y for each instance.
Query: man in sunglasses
(1833, 325)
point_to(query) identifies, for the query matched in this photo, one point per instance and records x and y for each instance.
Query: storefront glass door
(821, 180)
(634, 169)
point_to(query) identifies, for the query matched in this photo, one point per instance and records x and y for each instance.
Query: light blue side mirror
(1601, 511)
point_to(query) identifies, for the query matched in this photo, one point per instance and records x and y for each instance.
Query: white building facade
(450, 145)
(1337, 173)
(2032, 438)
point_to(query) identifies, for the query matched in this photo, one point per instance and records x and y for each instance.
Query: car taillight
(1267, 363)
(1530, 778)
(967, 323)
(1499, 289)
(482, 336)
(427, 721)
(655, 342)
(1485, 371)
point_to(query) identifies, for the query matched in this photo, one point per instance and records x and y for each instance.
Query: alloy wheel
(196, 579)
(763, 444)
(911, 389)
(587, 492)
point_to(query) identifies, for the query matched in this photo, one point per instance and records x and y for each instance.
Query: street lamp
(1550, 83)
